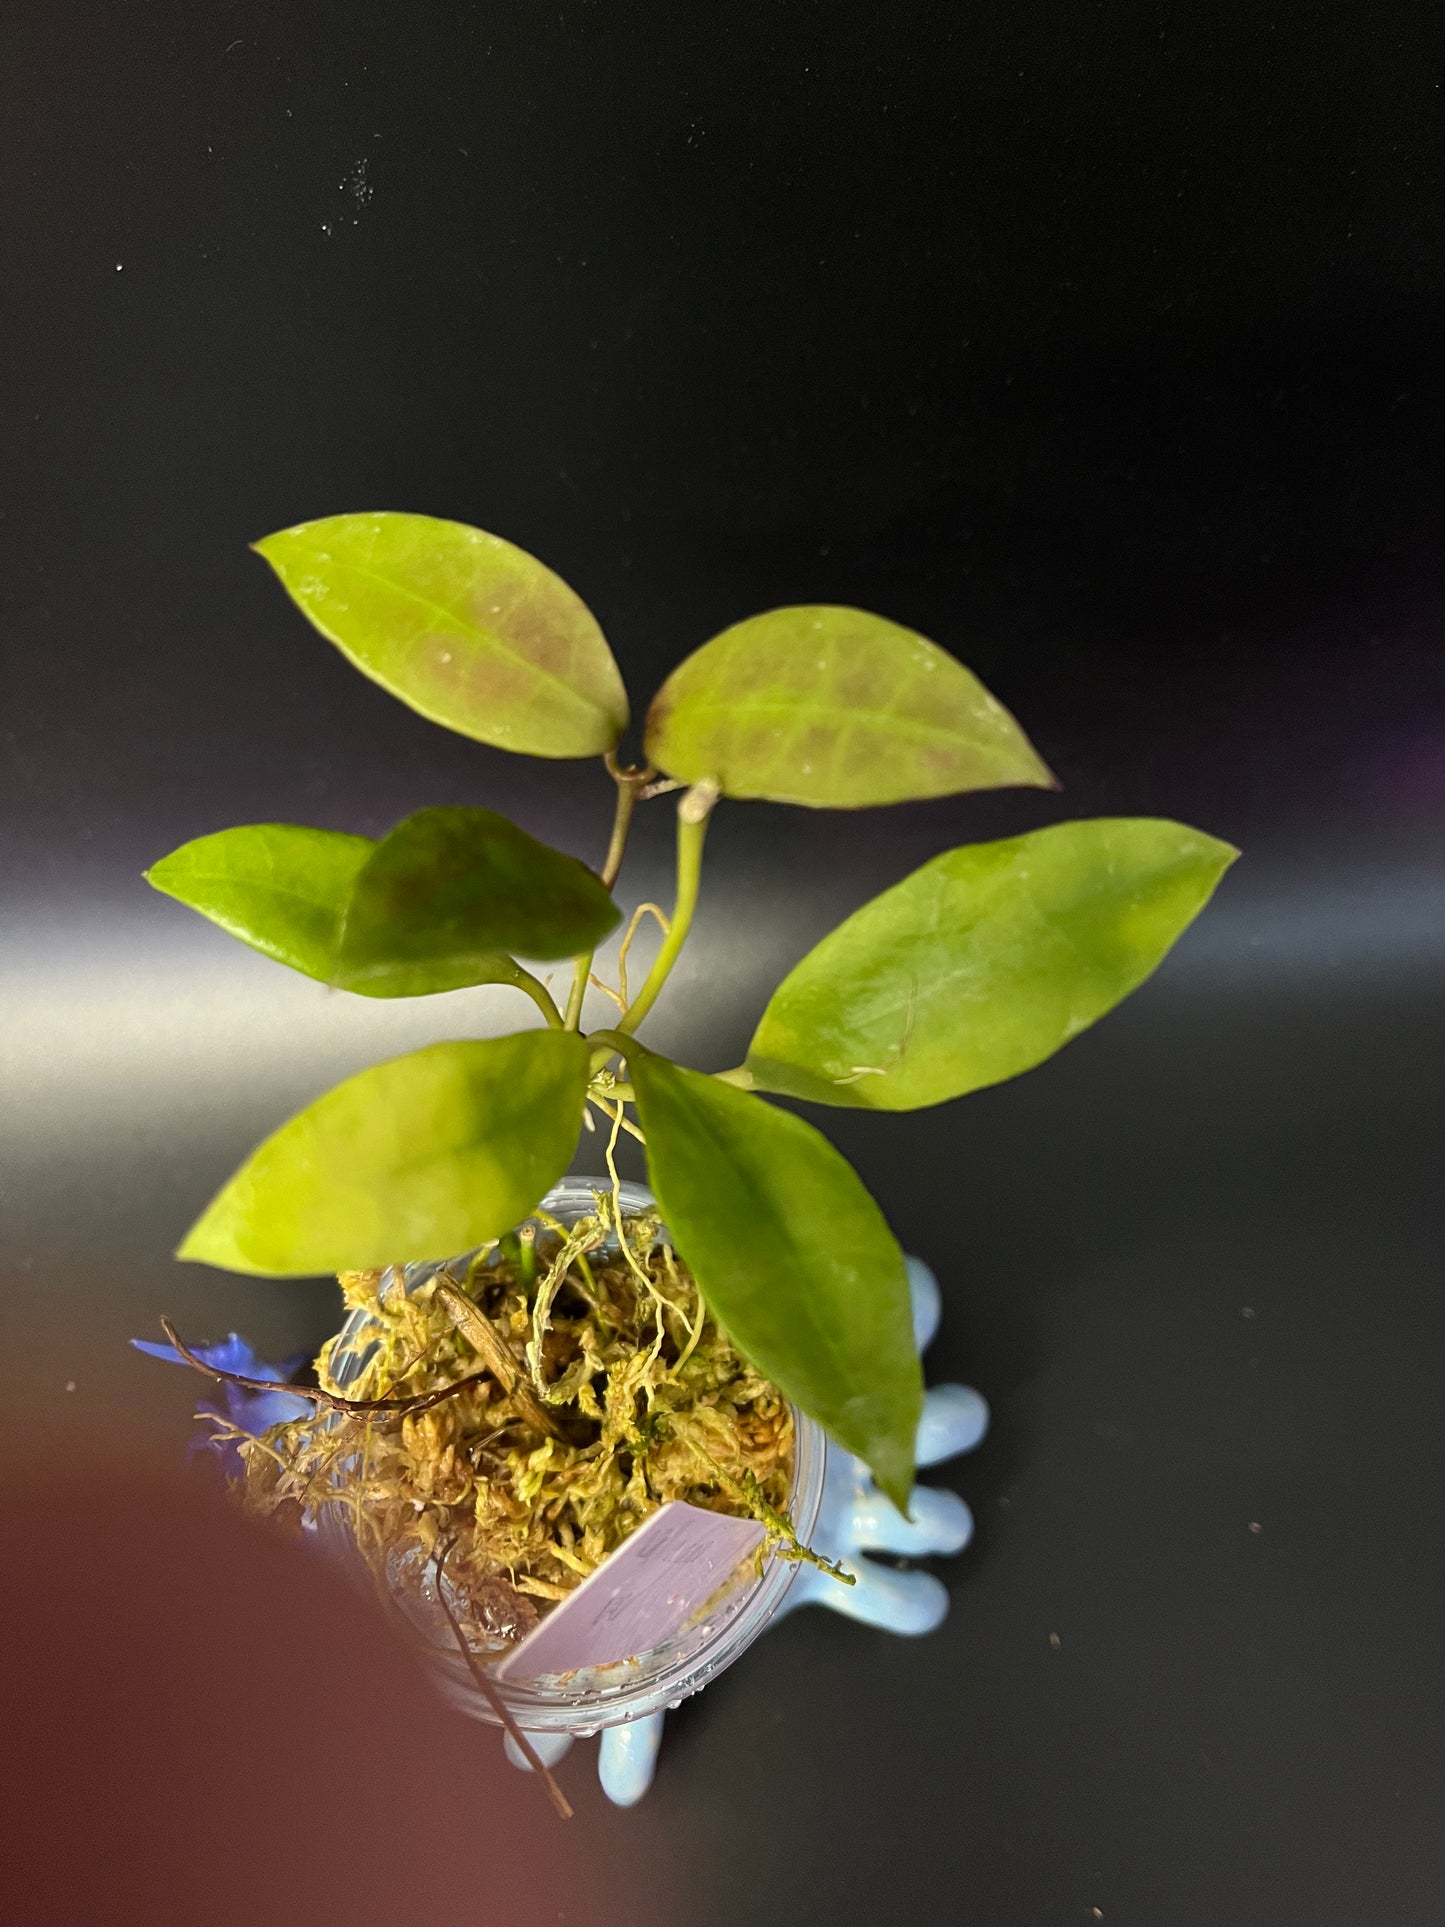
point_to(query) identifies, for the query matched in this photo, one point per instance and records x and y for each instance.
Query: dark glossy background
(1103, 345)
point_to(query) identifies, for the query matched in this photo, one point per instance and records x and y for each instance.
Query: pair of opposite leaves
(831, 707)
(825, 706)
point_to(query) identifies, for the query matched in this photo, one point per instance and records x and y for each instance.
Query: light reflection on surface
(105, 1021)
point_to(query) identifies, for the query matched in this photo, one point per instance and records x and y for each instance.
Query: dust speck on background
(357, 192)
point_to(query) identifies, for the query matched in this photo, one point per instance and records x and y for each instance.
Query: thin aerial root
(613, 1117)
(493, 1696)
(400, 1407)
(664, 924)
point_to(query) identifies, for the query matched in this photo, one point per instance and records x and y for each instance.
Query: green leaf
(452, 890)
(436, 905)
(277, 886)
(791, 1254)
(983, 963)
(836, 709)
(470, 631)
(421, 1157)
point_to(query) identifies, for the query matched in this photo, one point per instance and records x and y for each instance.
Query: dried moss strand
(227, 1432)
(484, 1338)
(580, 1260)
(547, 1289)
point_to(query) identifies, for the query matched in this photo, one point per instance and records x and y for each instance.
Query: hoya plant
(975, 968)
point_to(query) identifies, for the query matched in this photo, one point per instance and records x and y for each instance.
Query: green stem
(628, 783)
(527, 1257)
(606, 1044)
(692, 820)
(539, 994)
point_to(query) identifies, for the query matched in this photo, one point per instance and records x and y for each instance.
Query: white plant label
(639, 1598)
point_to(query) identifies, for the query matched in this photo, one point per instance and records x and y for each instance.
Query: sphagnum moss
(609, 1391)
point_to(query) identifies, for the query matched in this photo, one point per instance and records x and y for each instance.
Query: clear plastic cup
(581, 1703)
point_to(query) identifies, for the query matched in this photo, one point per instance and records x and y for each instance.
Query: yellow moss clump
(624, 1394)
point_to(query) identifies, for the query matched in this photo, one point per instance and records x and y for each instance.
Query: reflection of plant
(978, 966)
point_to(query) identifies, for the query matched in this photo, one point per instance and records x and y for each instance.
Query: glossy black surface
(1101, 345)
